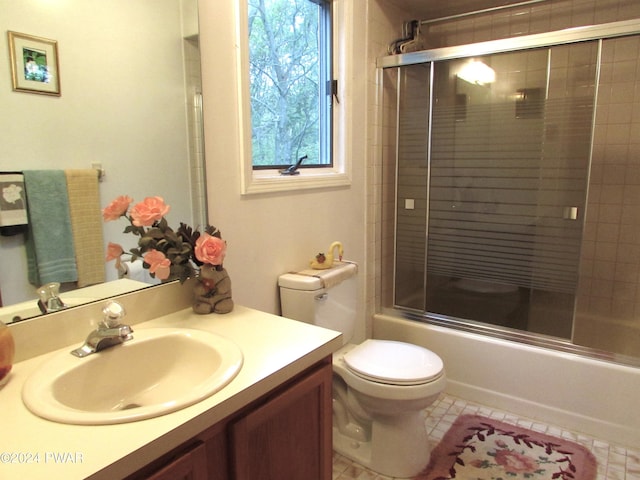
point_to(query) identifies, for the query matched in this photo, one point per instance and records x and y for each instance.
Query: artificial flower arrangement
(168, 254)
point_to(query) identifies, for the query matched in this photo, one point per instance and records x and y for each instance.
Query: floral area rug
(479, 448)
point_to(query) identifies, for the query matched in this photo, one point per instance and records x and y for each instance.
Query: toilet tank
(326, 298)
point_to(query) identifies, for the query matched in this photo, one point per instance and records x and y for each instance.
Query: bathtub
(595, 397)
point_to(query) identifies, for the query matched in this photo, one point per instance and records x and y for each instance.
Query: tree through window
(290, 82)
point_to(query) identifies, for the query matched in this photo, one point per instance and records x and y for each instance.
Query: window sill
(267, 181)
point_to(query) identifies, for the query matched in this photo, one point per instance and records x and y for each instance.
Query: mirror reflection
(130, 105)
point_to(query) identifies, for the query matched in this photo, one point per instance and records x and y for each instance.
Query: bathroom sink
(159, 371)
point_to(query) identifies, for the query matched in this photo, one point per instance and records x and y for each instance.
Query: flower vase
(212, 291)
(7, 351)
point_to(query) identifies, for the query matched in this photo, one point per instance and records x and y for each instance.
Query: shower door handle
(570, 213)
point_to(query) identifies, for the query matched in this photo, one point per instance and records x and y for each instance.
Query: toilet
(380, 387)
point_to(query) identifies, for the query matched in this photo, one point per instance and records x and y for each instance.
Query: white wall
(122, 105)
(270, 234)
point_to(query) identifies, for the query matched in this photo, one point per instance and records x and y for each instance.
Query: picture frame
(34, 64)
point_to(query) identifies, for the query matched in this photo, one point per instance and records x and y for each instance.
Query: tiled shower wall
(612, 264)
(608, 309)
(546, 16)
(194, 120)
(384, 26)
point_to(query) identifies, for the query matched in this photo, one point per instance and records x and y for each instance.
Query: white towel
(135, 271)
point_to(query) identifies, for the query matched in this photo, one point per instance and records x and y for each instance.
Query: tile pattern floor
(614, 462)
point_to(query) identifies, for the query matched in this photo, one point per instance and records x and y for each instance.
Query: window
(337, 137)
(290, 83)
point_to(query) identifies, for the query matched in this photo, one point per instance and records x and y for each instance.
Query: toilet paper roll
(135, 271)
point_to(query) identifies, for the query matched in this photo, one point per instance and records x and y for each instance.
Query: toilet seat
(393, 363)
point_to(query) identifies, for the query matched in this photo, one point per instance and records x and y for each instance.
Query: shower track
(537, 40)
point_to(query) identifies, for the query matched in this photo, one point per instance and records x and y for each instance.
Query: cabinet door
(192, 465)
(289, 436)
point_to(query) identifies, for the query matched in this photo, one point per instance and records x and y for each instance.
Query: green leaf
(171, 235)
(146, 243)
(213, 231)
(155, 233)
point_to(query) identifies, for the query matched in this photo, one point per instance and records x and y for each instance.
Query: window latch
(293, 169)
(333, 88)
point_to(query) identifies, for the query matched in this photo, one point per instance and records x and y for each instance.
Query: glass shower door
(413, 114)
(491, 185)
(509, 164)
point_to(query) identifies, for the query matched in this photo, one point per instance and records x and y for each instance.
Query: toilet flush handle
(322, 297)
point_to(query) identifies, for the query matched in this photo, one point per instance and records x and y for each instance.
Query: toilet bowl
(390, 385)
(380, 387)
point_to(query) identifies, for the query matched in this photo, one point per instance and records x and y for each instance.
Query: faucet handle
(49, 290)
(49, 299)
(113, 314)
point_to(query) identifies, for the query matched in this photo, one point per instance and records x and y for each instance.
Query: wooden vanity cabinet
(191, 465)
(284, 435)
(288, 436)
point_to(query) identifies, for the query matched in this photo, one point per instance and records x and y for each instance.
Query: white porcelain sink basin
(160, 370)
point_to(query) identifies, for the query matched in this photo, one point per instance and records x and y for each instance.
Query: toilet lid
(395, 363)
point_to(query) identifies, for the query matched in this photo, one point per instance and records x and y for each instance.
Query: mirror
(129, 76)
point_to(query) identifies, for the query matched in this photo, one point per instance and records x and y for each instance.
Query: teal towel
(50, 249)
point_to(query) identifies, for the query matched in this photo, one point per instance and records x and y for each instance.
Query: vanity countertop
(274, 348)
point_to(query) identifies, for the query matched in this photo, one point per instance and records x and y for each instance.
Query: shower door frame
(525, 42)
(542, 40)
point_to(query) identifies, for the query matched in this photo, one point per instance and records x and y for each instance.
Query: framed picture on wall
(34, 64)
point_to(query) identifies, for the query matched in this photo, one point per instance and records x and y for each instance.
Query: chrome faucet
(110, 332)
(49, 298)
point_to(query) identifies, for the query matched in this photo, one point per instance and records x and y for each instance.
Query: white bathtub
(595, 397)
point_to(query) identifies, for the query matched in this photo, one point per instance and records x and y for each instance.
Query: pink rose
(210, 249)
(150, 210)
(114, 251)
(159, 265)
(117, 208)
(515, 463)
